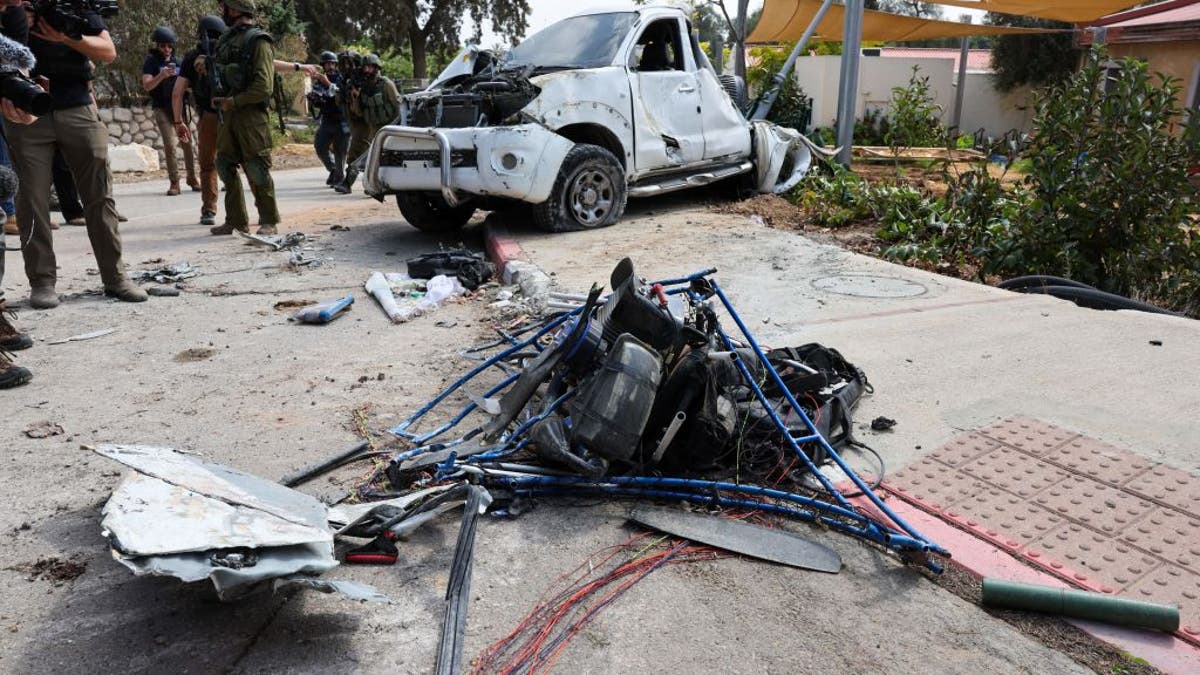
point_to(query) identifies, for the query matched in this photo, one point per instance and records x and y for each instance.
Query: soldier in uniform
(377, 102)
(245, 63)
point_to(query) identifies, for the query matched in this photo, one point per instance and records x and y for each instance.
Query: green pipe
(1080, 605)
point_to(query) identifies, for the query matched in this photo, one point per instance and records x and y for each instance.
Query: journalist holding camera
(333, 135)
(65, 36)
(159, 74)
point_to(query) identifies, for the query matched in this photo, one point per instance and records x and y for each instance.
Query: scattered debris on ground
(44, 429)
(275, 242)
(169, 274)
(83, 337)
(324, 312)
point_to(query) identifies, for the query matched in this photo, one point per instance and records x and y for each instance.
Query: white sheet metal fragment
(148, 516)
(350, 589)
(220, 482)
(232, 583)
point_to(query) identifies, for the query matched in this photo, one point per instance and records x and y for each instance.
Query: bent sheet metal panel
(219, 482)
(149, 516)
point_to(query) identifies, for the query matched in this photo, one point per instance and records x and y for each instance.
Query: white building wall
(983, 106)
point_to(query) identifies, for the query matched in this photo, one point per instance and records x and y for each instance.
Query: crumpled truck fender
(516, 162)
(597, 97)
(778, 148)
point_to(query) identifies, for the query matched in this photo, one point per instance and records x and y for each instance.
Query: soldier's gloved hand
(225, 103)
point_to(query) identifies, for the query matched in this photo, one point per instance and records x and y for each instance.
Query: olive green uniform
(245, 64)
(375, 107)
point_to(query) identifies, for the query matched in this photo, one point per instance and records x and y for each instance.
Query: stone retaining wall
(136, 125)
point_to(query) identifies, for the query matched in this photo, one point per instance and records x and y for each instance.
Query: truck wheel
(429, 212)
(588, 193)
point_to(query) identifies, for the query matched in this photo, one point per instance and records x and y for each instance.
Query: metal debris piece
(168, 274)
(181, 516)
(302, 259)
(744, 538)
(163, 291)
(85, 336)
(458, 589)
(276, 242)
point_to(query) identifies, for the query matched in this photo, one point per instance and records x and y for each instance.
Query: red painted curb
(983, 558)
(502, 247)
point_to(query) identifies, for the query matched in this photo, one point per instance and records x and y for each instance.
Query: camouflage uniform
(376, 106)
(245, 65)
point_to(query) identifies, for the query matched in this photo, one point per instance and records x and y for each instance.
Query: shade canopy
(1070, 11)
(786, 21)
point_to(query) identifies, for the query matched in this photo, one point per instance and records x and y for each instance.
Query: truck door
(666, 99)
(726, 133)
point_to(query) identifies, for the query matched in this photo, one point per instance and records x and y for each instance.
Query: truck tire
(736, 88)
(429, 212)
(589, 192)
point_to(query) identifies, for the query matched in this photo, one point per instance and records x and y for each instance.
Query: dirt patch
(289, 305)
(774, 210)
(1049, 630)
(195, 354)
(53, 569)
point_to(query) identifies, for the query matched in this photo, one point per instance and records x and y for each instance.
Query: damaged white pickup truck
(592, 110)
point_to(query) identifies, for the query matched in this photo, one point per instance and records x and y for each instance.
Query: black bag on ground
(470, 268)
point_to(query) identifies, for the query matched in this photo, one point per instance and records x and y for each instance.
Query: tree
(429, 27)
(924, 10)
(1030, 59)
(121, 80)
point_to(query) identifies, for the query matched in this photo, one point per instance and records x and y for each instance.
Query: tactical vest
(235, 57)
(377, 110)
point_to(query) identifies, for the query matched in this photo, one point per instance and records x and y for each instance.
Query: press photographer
(333, 135)
(66, 36)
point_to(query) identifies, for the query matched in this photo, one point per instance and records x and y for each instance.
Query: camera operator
(193, 76)
(159, 73)
(376, 99)
(74, 127)
(333, 135)
(15, 25)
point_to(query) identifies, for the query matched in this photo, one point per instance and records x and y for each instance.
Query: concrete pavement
(221, 372)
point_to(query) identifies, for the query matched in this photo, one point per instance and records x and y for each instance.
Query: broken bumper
(516, 162)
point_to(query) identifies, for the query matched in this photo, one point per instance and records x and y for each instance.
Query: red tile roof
(977, 59)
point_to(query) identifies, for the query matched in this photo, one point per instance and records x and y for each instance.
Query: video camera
(67, 16)
(16, 87)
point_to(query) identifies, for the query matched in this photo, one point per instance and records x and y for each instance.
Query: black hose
(1039, 280)
(1095, 299)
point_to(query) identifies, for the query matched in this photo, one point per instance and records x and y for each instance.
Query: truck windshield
(589, 41)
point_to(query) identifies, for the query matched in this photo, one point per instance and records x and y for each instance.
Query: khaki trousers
(166, 131)
(83, 140)
(206, 132)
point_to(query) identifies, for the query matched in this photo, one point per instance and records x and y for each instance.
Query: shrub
(914, 116)
(1107, 197)
(793, 108)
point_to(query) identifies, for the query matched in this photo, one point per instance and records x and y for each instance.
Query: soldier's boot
(347, 185)
(11, 339)
(43, 297)
(12, 375)
(125, 291)
(228, 229)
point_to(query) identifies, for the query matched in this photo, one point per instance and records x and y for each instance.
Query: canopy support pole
(764, 106)
(848, 85)
(962, 77)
